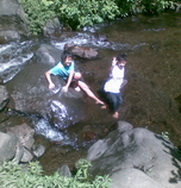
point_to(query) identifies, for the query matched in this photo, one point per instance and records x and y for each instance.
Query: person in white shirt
(115, 82)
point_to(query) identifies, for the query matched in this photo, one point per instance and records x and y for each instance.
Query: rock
(19, 153)
(38, 150)
(11, 8)
(10, 35)
(4, 98)
(47, 54)
(8, 146)
(133, 176)
(27, 156)
(52, 27)
(12, 20)
(64, 171)
(24, 133)
(59, 109)
(136, 157)
(81, 51)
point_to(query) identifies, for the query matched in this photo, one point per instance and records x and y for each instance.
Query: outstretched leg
(87, 90)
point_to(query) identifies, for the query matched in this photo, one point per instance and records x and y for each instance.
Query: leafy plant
(76, 14)
(14, 175)
(73, 13)
(165, 135)
(144, 6)
(37, 13)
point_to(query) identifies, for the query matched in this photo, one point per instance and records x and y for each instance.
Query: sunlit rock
(136, 157)
(8, 147)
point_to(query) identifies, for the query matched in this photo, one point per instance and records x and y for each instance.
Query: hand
(114, 61)
(65, 89)
(51, 86)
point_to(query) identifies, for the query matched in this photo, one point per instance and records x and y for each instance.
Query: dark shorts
(114, 100)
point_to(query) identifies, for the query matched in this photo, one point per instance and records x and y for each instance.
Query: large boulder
(136, 158)
(12, 20)
(11, 8)
(33, 96)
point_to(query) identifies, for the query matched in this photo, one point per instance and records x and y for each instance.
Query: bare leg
(87, 90)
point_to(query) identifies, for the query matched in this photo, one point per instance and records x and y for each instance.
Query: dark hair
(122, 57)
(65, 55)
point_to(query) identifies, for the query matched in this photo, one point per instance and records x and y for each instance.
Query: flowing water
(153, 45)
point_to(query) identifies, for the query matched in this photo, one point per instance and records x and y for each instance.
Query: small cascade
(42, 127)
(13, 57)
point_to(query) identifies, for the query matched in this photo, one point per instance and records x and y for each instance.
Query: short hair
(65, 55)
(122, 57)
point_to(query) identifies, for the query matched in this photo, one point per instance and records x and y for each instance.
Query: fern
(14, 175)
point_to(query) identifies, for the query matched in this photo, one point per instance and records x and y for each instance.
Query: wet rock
(9, 36)
(136, 157)
(81, 51)
(58, 109)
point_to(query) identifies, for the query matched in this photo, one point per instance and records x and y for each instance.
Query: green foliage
(73, 13)
(144, 6)
(16, 176)
(79, 13)
(37, 13)
(76, 14)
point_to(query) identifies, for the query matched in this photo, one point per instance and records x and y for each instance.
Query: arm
(48, 77)
(69, 80)
(114, 62)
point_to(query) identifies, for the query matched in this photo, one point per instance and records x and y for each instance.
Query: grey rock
(64, 171)
(38, 150)
(8, 146)
(136, 157)
(24, 133)
(4, 98)
(47, 54)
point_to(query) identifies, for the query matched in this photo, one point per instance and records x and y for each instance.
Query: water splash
(42, 127)
(61, 116)
(88, 39)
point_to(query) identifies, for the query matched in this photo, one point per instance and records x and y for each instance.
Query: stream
(152, 97)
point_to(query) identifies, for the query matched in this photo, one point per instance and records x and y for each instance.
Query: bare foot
(101, 104)
(77, 89)
(116, 115)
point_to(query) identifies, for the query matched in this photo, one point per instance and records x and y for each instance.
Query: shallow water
(153, 45)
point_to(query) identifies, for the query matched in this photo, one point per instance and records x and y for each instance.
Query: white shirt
(115, 80)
